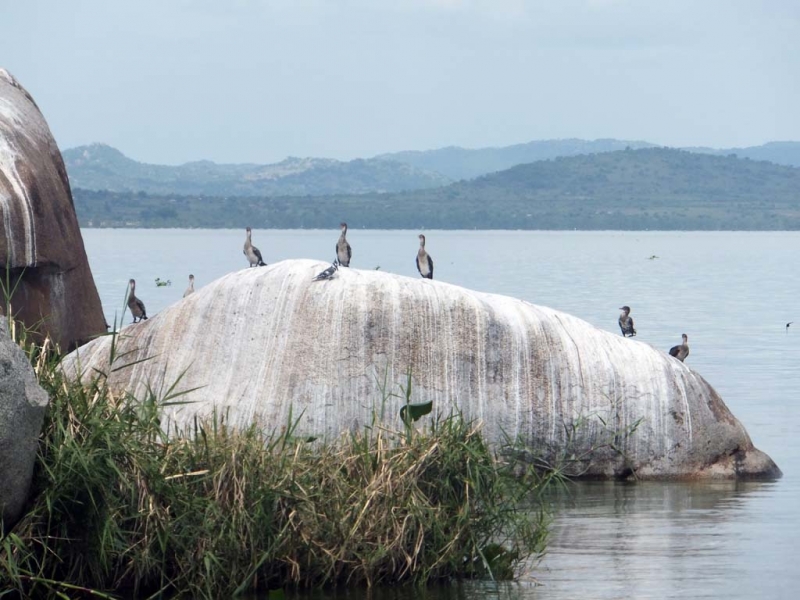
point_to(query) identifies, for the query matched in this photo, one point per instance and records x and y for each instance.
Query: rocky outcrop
(262, 342)
(41, 243)
(22, 406)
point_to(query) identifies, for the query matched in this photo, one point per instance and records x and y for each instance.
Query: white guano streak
(9, 155)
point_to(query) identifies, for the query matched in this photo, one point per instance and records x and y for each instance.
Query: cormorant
(252, 253)
(343, 249)
(626, 322)
(424, 260)
(682, 351)
(190, 289)
(135, 305)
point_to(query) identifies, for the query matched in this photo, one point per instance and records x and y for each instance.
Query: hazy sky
(255, 81)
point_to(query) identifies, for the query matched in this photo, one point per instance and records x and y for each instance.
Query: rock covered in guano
(262, 344)
(40, 241)
(22, 406)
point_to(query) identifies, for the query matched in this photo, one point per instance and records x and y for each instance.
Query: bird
(252, 253)
(682, 351)
(190, 289)
(135, 305)
(329, 272)
(787, 326)
(626, 322)
(343, 249)
(424, 260)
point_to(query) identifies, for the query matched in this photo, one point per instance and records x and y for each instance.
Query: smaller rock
(22, 406)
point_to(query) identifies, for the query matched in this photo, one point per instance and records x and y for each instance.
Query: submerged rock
(268, 343)
(40, 240)
(22, 406)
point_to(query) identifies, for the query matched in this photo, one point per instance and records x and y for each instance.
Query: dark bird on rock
(252, 253)
(190, 289)
(424, 260)
(343, 250)
(329, 272)
(135, 305)
(626, 322)
(682, 351)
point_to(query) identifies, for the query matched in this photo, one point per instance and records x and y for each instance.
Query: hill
(101, 167)
(781, 153)
(464, 163)
(654, 188)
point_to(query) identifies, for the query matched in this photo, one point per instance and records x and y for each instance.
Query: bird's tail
(261, 263)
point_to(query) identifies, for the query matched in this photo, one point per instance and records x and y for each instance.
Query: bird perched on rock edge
(190, 289)
(626, 322)
(252, 253)
(329, 272)
(681, 351)
(136, 306)
(424, 260)
(343, 250)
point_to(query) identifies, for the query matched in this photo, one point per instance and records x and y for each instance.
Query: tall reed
(119, 505)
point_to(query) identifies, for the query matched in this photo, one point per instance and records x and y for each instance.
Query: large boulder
(264, 344)
(22, 406)
(40, 240)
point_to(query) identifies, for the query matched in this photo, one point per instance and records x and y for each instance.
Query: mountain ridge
(99, 166)
(459, 163)
(649, 188)
(103, 167)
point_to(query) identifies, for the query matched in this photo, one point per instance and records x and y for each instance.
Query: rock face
(41, 241)
(260, 341)
(22, 406)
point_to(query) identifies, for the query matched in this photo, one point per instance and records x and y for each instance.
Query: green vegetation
(634, 189)
(118, 506)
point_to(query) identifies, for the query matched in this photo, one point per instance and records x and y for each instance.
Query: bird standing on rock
(329, 272)
(135, 305)
(190, 289)
(626, 322)
(252, 253)
(424, 260)
(343, 249)
(682, 351)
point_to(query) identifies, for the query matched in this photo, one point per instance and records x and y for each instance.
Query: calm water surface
(732, 293)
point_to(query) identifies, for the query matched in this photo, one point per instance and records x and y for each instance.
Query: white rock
(260, 341)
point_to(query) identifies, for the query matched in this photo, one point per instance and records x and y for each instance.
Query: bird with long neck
(252, 253)
(626, 322)
(681, 351)
(135, 305)
(343, 249)
(424, 260)
(190, 289)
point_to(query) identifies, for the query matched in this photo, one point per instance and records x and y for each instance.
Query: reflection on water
(663, 540)
(731, 292)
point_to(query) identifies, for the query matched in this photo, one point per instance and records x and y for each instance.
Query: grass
(119, 506)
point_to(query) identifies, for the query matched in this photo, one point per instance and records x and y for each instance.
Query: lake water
(731, 292)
